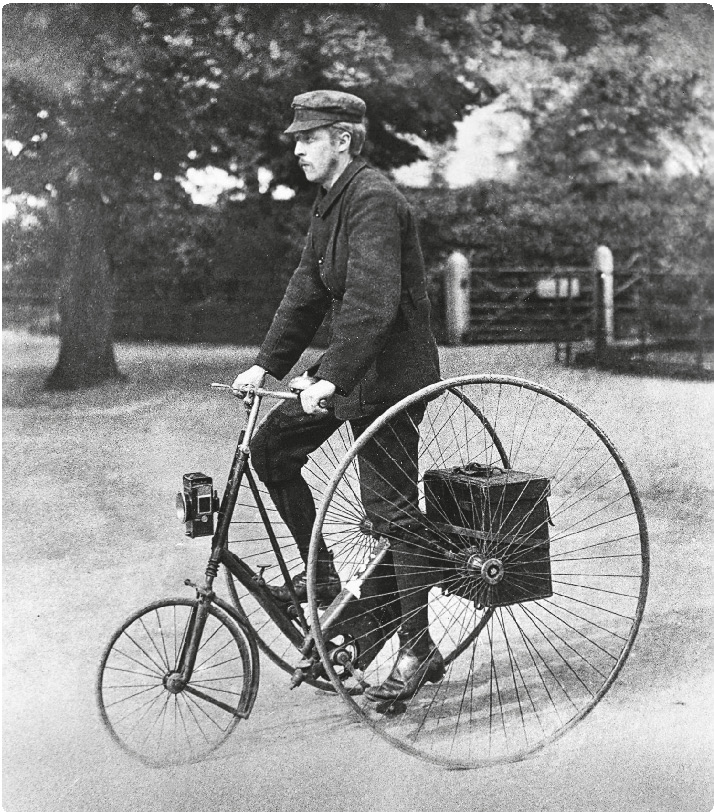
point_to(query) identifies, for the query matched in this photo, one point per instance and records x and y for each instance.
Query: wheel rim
(519, 675)
(149, 711)
(250, 540)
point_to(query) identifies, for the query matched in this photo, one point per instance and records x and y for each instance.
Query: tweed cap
(320, 108)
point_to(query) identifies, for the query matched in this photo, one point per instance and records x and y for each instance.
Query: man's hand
(255, 376)
(310, 398)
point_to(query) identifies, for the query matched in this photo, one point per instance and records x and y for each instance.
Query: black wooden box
(493, 514)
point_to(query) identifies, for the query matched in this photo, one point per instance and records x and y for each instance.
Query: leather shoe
(327, 589)
(408, 675)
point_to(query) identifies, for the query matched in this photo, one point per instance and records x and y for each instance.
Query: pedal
(309, 667)
(261, 569)
(297, 678)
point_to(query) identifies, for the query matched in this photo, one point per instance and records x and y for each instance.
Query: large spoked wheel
(251, 542)
(149, 710)
(539, 585)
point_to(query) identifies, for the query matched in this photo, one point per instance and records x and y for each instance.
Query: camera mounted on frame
(196, 504)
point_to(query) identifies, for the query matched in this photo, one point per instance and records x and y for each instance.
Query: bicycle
(536, 540)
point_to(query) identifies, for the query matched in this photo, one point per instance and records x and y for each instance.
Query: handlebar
(252, 391)
(248, 393)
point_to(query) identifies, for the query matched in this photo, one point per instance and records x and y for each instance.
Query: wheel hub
(490, 570)
(174, 683)
(366, 527)
(344, 655)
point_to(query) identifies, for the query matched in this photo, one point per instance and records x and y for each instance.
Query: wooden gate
(530, 304)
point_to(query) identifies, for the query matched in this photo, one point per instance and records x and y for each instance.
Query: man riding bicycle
(362, 263)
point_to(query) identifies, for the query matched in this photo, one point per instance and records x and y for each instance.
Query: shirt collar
(325, 199)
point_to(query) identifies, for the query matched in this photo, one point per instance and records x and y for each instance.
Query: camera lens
(182, 513)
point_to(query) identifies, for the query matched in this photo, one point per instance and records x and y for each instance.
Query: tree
(113, 102)
(109, 100)
(75, 82)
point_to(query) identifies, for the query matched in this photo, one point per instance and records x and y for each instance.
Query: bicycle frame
(252, 581)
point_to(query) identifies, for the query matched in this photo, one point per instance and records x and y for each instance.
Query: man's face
(317, 153)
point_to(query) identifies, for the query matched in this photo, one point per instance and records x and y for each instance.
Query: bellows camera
(196, 504)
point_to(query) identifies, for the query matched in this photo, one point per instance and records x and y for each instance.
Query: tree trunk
(86, 355)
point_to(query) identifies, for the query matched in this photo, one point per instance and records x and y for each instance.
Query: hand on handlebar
(255, 377)
(314, 397)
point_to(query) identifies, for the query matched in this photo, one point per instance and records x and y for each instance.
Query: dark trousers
(388, 470)
(388, 473)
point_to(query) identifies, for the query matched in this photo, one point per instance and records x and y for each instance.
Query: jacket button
(317, 214)
(321, 260)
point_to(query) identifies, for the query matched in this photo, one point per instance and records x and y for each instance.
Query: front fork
(192, 637)
(179, 680)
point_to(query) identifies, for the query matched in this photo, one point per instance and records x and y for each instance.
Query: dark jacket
(362, 260)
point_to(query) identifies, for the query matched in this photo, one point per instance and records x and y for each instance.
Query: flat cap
(319, 108)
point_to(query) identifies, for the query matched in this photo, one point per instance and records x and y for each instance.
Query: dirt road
(89, 535)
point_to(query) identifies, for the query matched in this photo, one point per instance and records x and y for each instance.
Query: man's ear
(345, 140)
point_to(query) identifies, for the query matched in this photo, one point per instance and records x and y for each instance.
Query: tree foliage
(555, 30)
(115, 102)
(163, 87)
(616, 117)
(152, 89)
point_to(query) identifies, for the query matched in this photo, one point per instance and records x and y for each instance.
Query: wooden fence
(600, 314)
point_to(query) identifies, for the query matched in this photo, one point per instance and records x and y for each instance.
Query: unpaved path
(89, 535)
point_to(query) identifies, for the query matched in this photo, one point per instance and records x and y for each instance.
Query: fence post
(700, 324)
(560, 337)
(569, 321)
(457, 297)
(604, 300)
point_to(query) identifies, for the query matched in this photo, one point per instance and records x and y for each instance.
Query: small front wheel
(149, 708)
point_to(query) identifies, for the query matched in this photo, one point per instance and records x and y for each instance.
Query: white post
(605, 268)
(457, 297)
